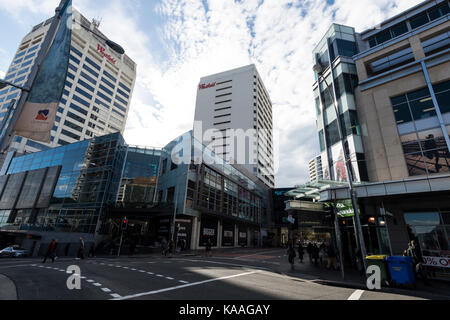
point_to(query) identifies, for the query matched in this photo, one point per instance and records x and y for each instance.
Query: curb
(8, 289)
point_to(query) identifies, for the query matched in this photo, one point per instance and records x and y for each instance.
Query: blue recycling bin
(401, 270)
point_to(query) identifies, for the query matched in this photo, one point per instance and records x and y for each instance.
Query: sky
(175, 43)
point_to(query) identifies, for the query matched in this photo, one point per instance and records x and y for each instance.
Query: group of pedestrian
(323, 255)
(52, 249)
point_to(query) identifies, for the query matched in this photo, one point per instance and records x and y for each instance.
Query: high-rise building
(98, 89)
(334, 53)
(402, 99)
(315, 169)
(236, 106)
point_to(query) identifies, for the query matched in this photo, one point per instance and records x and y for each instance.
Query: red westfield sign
(206, 86)
(107, 56)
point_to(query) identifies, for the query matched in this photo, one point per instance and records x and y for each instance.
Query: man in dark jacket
(309, 250)
(51, 251)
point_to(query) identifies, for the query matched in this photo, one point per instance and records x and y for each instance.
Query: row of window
(415, 22)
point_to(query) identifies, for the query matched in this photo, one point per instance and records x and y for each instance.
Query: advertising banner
(439, 262)
(345, 208)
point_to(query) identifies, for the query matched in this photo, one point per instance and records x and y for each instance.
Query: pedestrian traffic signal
(124, 223)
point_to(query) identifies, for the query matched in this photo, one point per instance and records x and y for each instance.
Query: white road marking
(184, 286)
(106, 290)
(182, 281)
(141, 270)
(83, 278)
(169, 278)
(133, 269)
(150, 272)
(159, 275)
(115, 295)
(97, 284)
(90, 280)
(356, 295)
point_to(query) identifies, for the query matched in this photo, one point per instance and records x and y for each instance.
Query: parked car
(14, 252)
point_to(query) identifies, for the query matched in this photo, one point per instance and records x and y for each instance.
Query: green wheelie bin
(380, 261)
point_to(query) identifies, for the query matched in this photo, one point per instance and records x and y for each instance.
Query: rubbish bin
(380, 261)
(401, 271)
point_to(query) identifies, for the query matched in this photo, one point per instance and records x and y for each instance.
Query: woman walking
(300, 251)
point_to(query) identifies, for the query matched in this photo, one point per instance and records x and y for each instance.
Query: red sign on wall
(107, 56)
(206, 86)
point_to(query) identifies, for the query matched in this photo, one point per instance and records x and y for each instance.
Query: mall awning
(424, 184)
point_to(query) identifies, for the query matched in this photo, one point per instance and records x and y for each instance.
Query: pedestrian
(291, 254)
(315, 254)
(331, 253)
(300, 251)
(51, 251)
(66, 250)
(170, 247)
(92, 251)
(208, 248)
(81, 254)
(414, 252)
(164, 246)
(309, 250)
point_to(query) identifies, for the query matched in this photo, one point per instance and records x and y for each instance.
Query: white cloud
(2, 74)
(21, 10)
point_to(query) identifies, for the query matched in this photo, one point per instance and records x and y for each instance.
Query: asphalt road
(236, 275)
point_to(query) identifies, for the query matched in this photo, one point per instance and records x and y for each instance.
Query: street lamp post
(319, 71)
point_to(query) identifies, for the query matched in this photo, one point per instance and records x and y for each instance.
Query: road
(251, 274)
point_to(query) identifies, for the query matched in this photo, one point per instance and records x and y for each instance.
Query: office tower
(237, 101)
(97, 95)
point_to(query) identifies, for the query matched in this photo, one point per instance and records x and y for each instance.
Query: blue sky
(175, 43)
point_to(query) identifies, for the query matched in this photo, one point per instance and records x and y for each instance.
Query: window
(96, 66)
(90, 70)
(84, 93)
(164, 166)
(76, 51)
(106, 90)
(26, 63)
(392, 61)
(73, 126)
(110, 76)
(321, 141)
(75, 117)
(124, 87)
(222, 123)
(442, 92)
(107, 106)
(89, 78)
(120, 107)
(79, 109)
(108, 83)
(123, 93)
(80, 100)
(349, 123)
(436, 44)
(77, 61)
(332, 133)
(70, 134)
(87, 86)
(220, 102)
(29, 56)
(419, 20)
(103, 96)
(121, 100)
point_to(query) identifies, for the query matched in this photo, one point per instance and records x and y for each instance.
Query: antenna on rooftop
(96, 22)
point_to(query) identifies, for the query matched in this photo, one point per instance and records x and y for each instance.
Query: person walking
(291, 254)
(331, 252)
(81, 254)
(170, 247)
(300, 251)
(164, 246)
(309, 250)
(208, 252)
(414, 252)
(51, 251)
(315, 254)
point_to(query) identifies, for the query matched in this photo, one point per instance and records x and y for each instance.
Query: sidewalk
(437, 290)
(7, 289)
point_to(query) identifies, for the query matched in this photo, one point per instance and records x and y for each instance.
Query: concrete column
(194, 234)
(416, 47)
(236, 235)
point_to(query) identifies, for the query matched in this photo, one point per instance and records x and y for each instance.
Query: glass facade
(88, 177)
(426, 151)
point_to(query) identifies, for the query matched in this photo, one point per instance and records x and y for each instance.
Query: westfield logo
(206, 86)
(107, 56)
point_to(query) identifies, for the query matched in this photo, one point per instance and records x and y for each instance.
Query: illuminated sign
(107, 56)
(206, 86)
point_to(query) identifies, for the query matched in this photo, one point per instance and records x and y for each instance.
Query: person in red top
(51, 252)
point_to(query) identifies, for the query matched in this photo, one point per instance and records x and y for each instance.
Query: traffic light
(124, 223)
